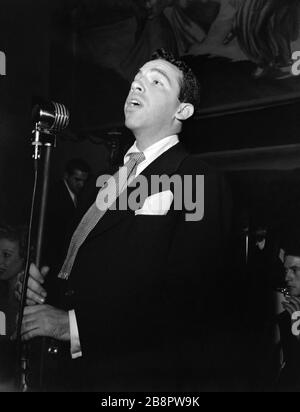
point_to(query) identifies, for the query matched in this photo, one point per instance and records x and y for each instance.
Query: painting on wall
(242, 50)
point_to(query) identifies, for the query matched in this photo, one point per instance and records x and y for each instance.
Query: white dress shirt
(73, 197)
(151, 153)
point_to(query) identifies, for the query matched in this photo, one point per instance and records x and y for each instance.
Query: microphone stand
(43, 142)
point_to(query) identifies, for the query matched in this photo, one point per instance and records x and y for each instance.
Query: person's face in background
(76, 180)
(292, 274)
(10, 260)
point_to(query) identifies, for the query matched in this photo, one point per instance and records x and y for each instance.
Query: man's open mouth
(134, 103)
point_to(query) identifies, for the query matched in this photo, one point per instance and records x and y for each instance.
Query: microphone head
(52, 117)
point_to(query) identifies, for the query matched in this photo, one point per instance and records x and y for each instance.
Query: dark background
(258, 149)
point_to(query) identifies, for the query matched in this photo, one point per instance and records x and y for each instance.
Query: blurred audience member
(12, 255)
(64, 197)
(289, 379)
(264, 272)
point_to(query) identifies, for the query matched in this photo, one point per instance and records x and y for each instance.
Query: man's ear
(184, 111)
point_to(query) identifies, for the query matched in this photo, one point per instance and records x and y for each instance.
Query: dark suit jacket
(142, 289)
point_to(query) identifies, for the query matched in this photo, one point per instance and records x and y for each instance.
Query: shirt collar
(155, 150)
(73, 197)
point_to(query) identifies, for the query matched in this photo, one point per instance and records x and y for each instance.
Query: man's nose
(137, 86)
(288, 275)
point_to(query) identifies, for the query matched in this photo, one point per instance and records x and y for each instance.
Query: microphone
(51, 117)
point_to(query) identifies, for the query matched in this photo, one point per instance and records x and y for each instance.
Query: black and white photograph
(149, 198)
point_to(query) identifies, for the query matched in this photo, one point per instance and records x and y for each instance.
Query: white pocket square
(157, 204)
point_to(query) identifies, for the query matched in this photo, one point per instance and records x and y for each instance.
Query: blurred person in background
(12, 257)
(63, 199)
(12, 254)
(288, 320)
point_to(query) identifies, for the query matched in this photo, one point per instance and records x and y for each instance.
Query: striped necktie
(114, 186)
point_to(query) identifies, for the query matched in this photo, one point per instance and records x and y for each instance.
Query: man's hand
(45, 320)
(291, 304)
(36, 294)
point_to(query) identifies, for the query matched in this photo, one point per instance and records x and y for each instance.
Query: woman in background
(12, 253)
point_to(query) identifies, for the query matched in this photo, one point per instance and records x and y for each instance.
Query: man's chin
(293, 292)
(131, 124)
(4, 277)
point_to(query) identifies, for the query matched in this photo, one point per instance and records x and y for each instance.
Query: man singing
(137, 314)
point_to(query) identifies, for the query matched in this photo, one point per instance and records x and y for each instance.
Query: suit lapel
(167, 164)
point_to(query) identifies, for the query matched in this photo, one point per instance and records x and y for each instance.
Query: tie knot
(138, 157)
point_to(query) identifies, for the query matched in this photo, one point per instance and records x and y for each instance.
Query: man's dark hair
(77, 164)
(15, 234)
(190, 88)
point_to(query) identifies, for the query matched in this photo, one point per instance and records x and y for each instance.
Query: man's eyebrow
(162, 72)
(157, 70)
(293, 267)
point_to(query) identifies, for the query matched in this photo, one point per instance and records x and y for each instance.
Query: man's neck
(144, 141)
(142, 145)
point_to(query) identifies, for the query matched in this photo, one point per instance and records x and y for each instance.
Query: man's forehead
(8, 243)
(163, 65)
(79, 173)
(292, 260)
